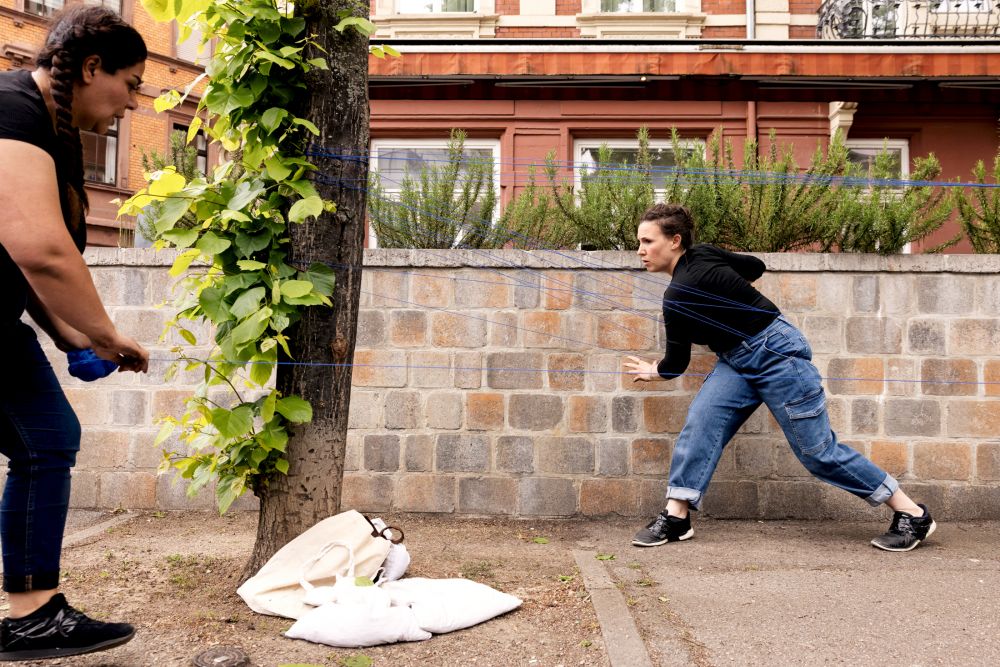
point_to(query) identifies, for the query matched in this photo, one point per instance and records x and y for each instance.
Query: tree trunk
(337, 103)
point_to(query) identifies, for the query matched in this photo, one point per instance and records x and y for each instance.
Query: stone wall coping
(602, 260)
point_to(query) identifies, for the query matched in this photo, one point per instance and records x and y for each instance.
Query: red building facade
(524, 78)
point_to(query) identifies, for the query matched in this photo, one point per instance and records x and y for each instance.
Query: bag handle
(327, 548)
(381, 533)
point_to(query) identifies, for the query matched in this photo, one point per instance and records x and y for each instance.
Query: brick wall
(486, 389)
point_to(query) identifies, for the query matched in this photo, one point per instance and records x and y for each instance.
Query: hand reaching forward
(128, 354)
(642, 370)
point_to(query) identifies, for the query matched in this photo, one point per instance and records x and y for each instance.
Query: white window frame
(435, 9)
(110, 155)
(580, 145)
(878, 144)
(904, 158)
(381, 145)
(48, 8)
(635, 7)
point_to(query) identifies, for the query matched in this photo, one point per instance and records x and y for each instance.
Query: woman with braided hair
(88, 73)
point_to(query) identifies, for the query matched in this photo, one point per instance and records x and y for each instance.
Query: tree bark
(337, 103)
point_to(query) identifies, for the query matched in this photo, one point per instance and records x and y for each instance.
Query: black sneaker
(906, 531)
(56, 630)
(664, 528)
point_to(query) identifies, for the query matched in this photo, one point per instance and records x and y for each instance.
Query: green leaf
(251, 328)
(267, 408)
(270, 119)
(166, 429)
(232, 423)
(281, 465)
(363, 582)
(296, 288)
(306, 124)
(605, 556)
(307, 300)
(187, 335)
(541, 540)
(360, 660)
(166, 101)
(173, 209)
(294, 409)
(303, 208)
(245, 194)
(274, 437)
(261, 368)
(248, 244)
(247, 303)
(318, 63)
(322, 277)
(277, 170)
(211, 243)
(251, 265)
(182, 238)
(182, 263)
(212, 302)
(161, 10)
(166, 182)
(276, 59)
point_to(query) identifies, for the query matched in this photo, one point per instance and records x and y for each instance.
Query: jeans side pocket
(810, 423)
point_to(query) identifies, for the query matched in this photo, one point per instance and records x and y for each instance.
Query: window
(115, 5)
(100, 155)
(199, 143)
(634, 6)
(435, 6)
(395, 160)
(864, 151)
(43, 7)
(625, 152)
(191, 49)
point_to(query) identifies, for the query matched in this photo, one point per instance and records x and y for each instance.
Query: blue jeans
(40, 435)
(774, 367)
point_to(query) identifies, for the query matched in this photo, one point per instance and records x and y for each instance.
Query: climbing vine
(235, 272)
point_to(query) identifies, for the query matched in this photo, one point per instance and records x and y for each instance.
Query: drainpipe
(751, 19)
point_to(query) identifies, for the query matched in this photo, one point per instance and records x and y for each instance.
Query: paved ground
(786, 593)
(747, 592)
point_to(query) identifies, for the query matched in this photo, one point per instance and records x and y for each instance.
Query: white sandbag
(276, 588)
(444, 605)
(352, 626)
(398, 560)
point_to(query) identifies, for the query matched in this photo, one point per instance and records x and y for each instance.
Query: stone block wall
(490, 383)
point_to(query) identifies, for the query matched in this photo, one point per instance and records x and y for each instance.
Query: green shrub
(979, 213)
(882, 217)
(445, 206)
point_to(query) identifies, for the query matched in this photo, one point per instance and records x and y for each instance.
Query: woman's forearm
(78, 307)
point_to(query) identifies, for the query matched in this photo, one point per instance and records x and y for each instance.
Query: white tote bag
(276, 590)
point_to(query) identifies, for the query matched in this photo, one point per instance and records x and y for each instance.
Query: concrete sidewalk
(790, 593)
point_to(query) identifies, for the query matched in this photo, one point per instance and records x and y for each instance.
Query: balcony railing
(909, 19)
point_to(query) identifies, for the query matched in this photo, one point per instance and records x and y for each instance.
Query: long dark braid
(78, 32)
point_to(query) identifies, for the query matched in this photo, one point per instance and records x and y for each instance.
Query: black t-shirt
(710, 301)
(24, 117)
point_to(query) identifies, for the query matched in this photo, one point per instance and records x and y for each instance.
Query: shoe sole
(913, 546)
(41, 654)
(686, 536)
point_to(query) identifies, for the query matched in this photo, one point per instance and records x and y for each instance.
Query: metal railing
(909, 19)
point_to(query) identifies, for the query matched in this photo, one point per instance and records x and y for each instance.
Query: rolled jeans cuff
(43, 581)
(883, 492)
(692, 496)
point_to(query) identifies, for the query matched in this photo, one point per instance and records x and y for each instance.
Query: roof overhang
(738, 68)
